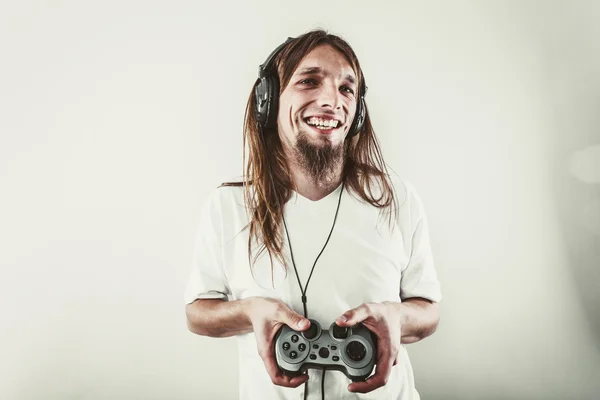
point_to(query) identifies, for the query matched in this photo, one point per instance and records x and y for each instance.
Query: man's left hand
(384, 320)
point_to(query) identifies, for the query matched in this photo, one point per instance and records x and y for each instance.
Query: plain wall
(118, 118)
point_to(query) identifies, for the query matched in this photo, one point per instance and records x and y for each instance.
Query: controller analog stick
(356, 350)
(311, 332)
(324, 352)
(340, 332)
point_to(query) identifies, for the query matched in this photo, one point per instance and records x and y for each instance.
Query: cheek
(286, 118)
(283, 110)
(351, 108)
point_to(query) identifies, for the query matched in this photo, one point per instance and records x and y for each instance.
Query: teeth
(322, 122)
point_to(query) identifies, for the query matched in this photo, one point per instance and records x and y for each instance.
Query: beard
(320, 160)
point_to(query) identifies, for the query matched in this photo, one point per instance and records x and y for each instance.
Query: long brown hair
(267, 182)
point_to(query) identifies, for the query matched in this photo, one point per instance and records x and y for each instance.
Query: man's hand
(384, 320)
(267, 317)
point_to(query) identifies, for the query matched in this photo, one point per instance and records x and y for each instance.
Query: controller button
(324, 353)
(313, 356)
(293, 354)
(335, 358)
(311, 332)
(340, 332)
(286, 346)
(356, 350)
(333, 347)
(315, 346)
(294, 338)
(301, 347)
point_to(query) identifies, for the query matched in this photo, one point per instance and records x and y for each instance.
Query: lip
(322, 131)
(324, 116)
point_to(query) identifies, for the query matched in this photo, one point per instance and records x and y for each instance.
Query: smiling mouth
(321, 128)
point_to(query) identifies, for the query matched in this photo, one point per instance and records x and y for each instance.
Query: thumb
(293, 319)
(353, 316)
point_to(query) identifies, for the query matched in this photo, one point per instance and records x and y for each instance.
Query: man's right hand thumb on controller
(295, 320)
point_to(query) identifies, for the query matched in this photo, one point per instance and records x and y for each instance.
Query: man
(307, 213)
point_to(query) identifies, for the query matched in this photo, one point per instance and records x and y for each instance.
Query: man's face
(316, 110)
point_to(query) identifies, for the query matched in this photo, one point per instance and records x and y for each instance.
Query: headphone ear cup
(267, 101)
(273, 85)
(261, 94)
(359, 118)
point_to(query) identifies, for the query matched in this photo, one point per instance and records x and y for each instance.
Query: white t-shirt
(363, 262)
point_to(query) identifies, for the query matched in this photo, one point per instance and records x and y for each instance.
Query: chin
(317, 140)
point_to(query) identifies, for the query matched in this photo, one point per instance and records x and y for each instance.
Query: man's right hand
(267, 317)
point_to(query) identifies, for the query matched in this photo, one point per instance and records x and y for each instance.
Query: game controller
(351, 350)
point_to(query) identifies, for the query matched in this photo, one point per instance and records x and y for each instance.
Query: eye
(307, 81)
(347, 89)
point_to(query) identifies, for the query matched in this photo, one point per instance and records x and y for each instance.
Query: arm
(218, 318)
(261, 315)
(418, 318)
(419, 286)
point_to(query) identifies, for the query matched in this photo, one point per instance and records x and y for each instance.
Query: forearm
(218, 318)
(419, 319)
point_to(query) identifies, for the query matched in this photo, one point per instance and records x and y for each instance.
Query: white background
(118, 117)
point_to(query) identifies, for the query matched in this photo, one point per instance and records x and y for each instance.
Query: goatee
(320, 161)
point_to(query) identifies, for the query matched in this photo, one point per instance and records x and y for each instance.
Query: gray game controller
(352, 350)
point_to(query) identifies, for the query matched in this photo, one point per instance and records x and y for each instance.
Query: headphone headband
(264, 68)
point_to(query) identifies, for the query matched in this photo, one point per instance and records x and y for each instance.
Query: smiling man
(300, 235)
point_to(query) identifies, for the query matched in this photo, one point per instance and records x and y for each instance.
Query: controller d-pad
(324, 352)
(340, 332)
(311, 332)
(356, 350)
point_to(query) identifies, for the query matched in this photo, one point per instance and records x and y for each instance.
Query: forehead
(327, 60)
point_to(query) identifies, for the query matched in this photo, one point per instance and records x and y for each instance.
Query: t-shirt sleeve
(207, 278)
(419, 278)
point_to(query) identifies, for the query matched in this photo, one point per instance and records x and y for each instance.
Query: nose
(329, 96)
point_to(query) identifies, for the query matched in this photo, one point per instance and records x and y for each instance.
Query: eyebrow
(319, 70)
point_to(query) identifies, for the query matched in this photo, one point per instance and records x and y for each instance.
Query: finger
(377, 380)
(354, 316)
(276, 374)
(297, 380)
(291, 318)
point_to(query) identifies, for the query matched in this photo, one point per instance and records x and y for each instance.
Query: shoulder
(404, 190)
(409, 201)
(226, 193)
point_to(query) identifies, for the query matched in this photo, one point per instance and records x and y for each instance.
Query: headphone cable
(303, 289)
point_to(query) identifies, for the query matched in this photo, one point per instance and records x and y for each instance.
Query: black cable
(323, 385)
(303, 289)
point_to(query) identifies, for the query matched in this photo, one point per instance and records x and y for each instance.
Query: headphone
(267, 96)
